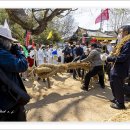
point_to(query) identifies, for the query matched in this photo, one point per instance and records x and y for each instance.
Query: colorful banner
(28, 37)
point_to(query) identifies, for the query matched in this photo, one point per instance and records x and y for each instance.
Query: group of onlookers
(41, 54)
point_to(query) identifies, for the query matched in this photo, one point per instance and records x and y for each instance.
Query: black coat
(122, 62)
(79, 51)
(12, 66)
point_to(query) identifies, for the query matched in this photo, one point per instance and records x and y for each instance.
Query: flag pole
(107, 23)
(101, 21)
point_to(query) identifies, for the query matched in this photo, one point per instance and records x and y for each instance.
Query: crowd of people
(15, 59)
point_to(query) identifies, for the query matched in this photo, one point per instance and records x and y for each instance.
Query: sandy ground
(65, 101)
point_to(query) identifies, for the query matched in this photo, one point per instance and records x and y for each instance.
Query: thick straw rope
(48, 70)
(117, 48)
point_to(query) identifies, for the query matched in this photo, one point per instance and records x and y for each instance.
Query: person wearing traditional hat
(12, 62)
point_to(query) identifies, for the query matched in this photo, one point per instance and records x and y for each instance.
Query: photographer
(12, 62)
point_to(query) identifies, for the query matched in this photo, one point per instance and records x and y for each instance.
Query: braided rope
(48, 70)
(117, 48)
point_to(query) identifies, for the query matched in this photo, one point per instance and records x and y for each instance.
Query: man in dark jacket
(119, 71)
(12, 62)
(78, 54)
(67, 54)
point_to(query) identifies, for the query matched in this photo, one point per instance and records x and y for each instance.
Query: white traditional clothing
(61, 55)
(49, 56)
(33, 55)
(40, 57)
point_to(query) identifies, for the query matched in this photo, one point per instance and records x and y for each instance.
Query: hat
(6, 33)
(42, 46)
(93, 40)
(105, 41)
(14, 40)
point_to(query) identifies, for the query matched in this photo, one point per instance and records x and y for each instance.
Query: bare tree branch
(119, 17)
(37, 23)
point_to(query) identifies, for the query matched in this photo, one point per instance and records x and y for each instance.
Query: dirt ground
(65, 101)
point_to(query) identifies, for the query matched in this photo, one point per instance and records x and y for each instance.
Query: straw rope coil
(117, 48)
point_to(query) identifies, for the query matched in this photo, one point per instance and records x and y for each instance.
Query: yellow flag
(49, 35)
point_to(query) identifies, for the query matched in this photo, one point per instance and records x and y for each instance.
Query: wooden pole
(48, 83)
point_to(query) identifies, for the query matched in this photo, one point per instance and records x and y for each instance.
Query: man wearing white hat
(12, 62)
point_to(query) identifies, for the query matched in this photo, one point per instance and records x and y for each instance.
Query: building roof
(111, 33)
(94, 33)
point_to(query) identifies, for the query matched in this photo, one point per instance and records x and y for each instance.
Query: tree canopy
(36, 20)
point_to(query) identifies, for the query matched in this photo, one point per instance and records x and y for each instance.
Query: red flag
(28, 36)
(103, 16)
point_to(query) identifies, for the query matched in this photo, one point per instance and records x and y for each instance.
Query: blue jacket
(67, 51)
(12, 65)
(79, 51)
(122, 62)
